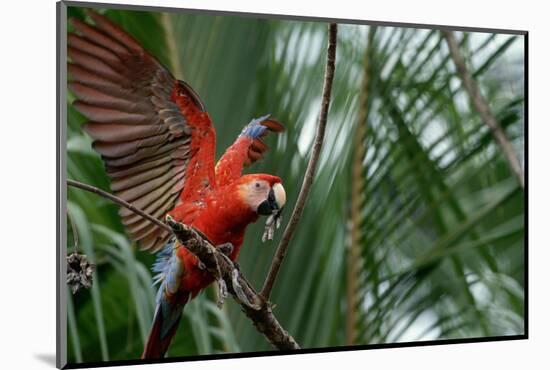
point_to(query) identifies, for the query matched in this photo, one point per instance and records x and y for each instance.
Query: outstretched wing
(141, 120)
(247, 149)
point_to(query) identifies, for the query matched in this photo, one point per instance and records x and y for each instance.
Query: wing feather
(98, 37)
(144, 139)
(109, 132)
(247, 149)
(83, 45)
(92, 63)
(97, 97)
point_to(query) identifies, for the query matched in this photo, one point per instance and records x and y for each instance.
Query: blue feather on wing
(255, 129)
(168, 269)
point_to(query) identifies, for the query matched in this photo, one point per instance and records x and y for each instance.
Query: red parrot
(158, 146)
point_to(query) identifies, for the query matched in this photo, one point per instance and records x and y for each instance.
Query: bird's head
(264, 194)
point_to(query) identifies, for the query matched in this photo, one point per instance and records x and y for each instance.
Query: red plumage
(158, 145)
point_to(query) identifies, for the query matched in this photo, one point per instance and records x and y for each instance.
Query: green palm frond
(434, 179)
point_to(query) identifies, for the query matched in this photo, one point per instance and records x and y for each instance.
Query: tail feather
(165, 323)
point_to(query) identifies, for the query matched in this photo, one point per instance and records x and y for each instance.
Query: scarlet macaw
(158, 146)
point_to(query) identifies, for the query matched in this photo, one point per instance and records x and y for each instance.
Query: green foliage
(442, 218)
(442, 223)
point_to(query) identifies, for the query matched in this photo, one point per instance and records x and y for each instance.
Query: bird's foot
(237, 266)
(174, 225)
(226, 248)
(222, 293)
(236, 285)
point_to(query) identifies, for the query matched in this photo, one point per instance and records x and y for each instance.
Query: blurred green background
(414, 228)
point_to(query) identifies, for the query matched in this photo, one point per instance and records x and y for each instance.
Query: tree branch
(75, 232)
(221, 267)
(482, 108)
(310, 170)
(120, 202)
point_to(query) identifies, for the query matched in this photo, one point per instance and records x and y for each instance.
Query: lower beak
(268, 206)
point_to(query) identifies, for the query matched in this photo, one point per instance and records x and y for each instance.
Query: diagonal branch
(310, 170)
(221, 267)
(482, 108)
(251, 302)
(120, 202)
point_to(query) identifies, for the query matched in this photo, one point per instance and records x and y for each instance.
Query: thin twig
(310, 170)
(482, 108)
(118, 201)
(220, 267)
(75, 232)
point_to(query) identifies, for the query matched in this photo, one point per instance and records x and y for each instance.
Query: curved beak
(275, 201)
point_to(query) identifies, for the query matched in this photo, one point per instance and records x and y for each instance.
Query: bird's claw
(174, 225)
(237, 288)
(237, 266)
(222, 292)
(239, 291)
(226, 248)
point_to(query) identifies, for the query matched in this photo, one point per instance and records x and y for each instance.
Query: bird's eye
(257, 185)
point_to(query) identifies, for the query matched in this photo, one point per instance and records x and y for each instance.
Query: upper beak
(274, 202)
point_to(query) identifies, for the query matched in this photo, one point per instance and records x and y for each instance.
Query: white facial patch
(255, 193)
